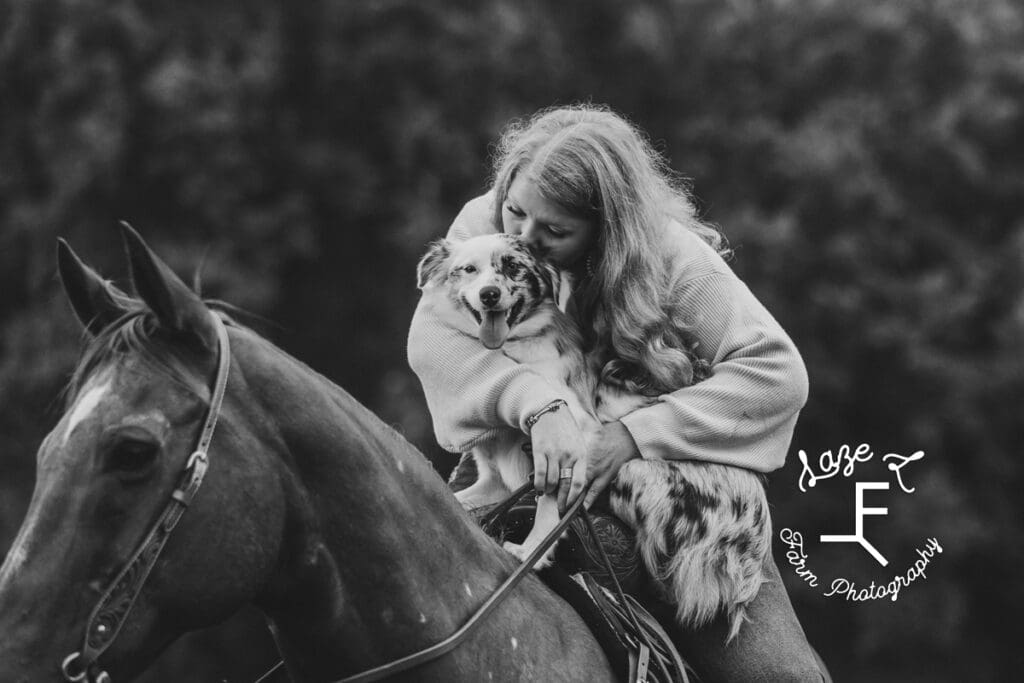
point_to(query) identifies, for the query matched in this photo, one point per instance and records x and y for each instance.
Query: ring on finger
(565, 473)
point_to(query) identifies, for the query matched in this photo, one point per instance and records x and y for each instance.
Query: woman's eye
(514, 211)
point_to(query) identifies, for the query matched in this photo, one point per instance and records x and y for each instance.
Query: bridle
(111, 612)
(113, 608)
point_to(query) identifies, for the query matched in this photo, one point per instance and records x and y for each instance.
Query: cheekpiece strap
(112, 610)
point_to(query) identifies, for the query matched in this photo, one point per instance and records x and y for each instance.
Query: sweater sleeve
(473, 393)
(744, 414)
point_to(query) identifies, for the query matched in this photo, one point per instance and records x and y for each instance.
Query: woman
(656, 301)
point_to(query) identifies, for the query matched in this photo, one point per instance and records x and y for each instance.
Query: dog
(703, 529)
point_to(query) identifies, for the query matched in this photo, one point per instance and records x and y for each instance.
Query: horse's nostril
(489, 295)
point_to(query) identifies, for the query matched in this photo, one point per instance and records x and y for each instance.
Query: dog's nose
(489, 295)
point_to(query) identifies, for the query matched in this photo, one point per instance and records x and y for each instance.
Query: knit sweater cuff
(655, 429)
(522, 398)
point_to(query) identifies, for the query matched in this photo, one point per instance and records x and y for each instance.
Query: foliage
(865, 159)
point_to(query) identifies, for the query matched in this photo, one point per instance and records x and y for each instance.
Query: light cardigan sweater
(742, 415)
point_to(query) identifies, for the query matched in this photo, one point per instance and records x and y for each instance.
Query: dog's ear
(563, 289)
(431, 267)
(561, 282)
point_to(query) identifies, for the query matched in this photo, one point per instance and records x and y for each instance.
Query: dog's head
(496, 279)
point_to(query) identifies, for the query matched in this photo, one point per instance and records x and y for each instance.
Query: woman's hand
(558, 444)
(612, 448)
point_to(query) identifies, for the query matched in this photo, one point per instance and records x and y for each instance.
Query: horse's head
(109, 470)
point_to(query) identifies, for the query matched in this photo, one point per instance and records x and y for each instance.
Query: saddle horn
(176, 306)
(96, 302)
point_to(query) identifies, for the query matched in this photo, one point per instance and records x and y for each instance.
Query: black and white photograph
(661, 341)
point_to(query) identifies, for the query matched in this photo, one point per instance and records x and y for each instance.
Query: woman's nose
(530, 234)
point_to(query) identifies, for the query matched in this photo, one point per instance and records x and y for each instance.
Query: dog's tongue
(493, 329)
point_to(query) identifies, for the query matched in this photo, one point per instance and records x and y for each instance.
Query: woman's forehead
(524, 193)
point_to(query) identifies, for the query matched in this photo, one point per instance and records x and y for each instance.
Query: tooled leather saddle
(593, 548)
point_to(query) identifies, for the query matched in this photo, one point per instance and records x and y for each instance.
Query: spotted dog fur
(703, 529)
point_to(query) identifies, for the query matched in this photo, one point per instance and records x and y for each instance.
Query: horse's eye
(132, 456)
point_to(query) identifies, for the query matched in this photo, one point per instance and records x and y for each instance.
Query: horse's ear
(176, 306)
(431, 266)
(96, 302)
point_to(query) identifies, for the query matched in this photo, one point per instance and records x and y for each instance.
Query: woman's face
(561, 238)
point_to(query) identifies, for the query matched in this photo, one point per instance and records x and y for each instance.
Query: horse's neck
(377, 559)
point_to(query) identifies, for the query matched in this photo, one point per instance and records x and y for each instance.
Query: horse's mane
(137, 333)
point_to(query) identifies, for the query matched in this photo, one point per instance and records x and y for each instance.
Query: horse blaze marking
(16, 559)
(83, 408)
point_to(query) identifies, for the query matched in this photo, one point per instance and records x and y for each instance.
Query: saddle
(598, 571)
(578, 550)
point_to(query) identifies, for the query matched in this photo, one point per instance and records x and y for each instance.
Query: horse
(313, 510)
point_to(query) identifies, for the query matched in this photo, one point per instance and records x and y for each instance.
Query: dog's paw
(522, 552)
(516, 550)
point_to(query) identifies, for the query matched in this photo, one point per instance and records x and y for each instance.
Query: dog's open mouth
(495, 324)
(493, 329)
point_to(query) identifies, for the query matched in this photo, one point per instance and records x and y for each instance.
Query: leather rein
(445, 646)
(442, 648)
(111, 612)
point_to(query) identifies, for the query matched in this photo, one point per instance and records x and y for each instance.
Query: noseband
(111, 612)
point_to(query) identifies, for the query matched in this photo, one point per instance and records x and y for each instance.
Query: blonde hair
(597, 165)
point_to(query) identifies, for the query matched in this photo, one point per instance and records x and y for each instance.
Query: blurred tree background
(866, 160)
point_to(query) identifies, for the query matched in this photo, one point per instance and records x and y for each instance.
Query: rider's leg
(771, 646)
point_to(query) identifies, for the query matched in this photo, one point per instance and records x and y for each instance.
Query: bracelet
(552, 407)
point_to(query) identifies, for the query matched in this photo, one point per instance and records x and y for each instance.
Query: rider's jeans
(771, 646)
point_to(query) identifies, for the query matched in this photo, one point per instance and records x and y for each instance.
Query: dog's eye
(512, 269)
(469, 269)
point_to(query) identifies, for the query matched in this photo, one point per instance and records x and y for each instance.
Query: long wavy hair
(598, 166)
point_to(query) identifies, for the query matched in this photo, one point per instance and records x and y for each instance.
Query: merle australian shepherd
(703, 529)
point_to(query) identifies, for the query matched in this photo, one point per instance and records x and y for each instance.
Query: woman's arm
(744, 414)
(474, 394)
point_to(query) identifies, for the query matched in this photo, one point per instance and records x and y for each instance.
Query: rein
(437, 650)
(445, 646)
(649, 656)
(111, 612)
